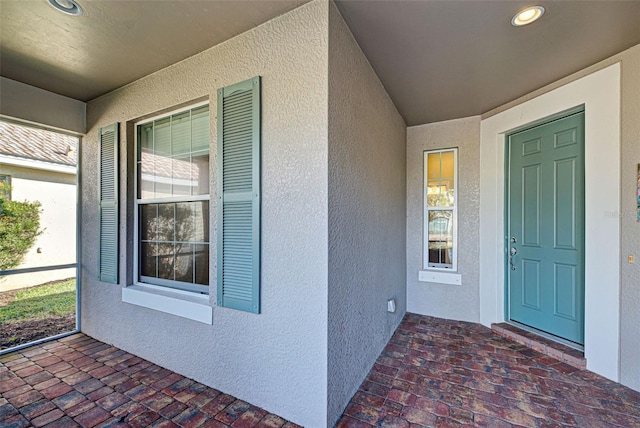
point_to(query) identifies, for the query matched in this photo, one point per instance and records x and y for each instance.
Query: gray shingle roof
(37, 144)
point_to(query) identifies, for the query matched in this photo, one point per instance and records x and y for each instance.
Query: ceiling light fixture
(527, 16)
(70, 7)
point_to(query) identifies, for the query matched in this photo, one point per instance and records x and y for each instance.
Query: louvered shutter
(239, 196)
(108, 206)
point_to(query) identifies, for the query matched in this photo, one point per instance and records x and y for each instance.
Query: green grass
(57, 299)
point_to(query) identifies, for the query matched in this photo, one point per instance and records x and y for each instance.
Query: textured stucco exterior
(276, 360)
(629, 222)
(458, 302)
(366, 216)
(629, 226)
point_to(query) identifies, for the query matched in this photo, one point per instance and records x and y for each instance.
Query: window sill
(186, 305)
(440, 277)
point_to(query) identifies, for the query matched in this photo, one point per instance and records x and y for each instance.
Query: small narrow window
(5, 187)
(440, 214)
(172, 203)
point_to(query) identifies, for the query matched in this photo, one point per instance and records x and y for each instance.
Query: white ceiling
(437, 59)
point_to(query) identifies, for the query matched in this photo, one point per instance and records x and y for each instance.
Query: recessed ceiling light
(527, 16)
(70, 7)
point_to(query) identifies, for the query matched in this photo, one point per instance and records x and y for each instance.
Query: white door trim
(600, 94)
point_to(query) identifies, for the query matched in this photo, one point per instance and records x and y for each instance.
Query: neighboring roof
(37, 144)
(165, 167)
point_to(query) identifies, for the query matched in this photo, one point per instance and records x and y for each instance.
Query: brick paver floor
(80, 381)
(443, 373)
(433, 373)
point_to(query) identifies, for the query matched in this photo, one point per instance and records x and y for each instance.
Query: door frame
(599, 92)
(507, 205)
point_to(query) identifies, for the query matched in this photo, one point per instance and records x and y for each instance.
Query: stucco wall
(366, 216)
(277, 359)
(630, 229)
(445, 300)
(57, 194)
(22, 101)
(630, 239)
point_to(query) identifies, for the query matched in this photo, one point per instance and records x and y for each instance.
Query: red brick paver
(441, 373)
(78, 381)
(432, 373)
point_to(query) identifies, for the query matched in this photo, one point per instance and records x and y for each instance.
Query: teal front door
(545, 232)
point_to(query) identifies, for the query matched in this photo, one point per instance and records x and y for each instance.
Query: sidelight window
(440, 203)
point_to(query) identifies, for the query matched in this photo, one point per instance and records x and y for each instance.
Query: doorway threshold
(543, 344)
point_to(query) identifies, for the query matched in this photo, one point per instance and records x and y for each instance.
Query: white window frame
(427, 209)
(163, 284)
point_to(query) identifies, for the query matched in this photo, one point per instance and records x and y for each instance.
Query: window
(5, 187)
(440, 216)
(172, 202)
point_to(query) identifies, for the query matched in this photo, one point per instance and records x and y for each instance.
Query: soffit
(116, 42)
(438, 60)
(442, 60)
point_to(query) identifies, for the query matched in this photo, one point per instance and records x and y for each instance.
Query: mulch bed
(24, 332)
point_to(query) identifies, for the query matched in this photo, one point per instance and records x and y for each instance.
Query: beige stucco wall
(630, 239)
(57, 194)
(445, 300)
(630, 227)
(277, 359)
(366, 216)
(26, 102)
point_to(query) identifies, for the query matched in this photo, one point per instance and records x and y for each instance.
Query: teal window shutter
(239, 196)
(108, 206)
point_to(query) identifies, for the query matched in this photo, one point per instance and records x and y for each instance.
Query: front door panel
(546, 227)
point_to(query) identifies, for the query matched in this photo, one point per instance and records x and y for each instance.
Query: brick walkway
(79, 381)
(442, 373)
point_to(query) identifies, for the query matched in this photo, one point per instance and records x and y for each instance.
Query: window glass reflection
(173, 229)
(184, 262)
(201, 268)
(174, 241)
(173, 156)
(440, 237)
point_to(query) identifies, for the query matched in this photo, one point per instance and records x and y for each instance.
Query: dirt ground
(6, 297)
(25, 332)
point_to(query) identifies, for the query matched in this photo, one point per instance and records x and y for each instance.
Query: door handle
(512, 252)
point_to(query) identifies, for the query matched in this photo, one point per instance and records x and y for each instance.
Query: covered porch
(328, 303)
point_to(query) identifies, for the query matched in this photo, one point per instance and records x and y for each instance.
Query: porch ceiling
(443, 60)
(116, 42)
(437, 59)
